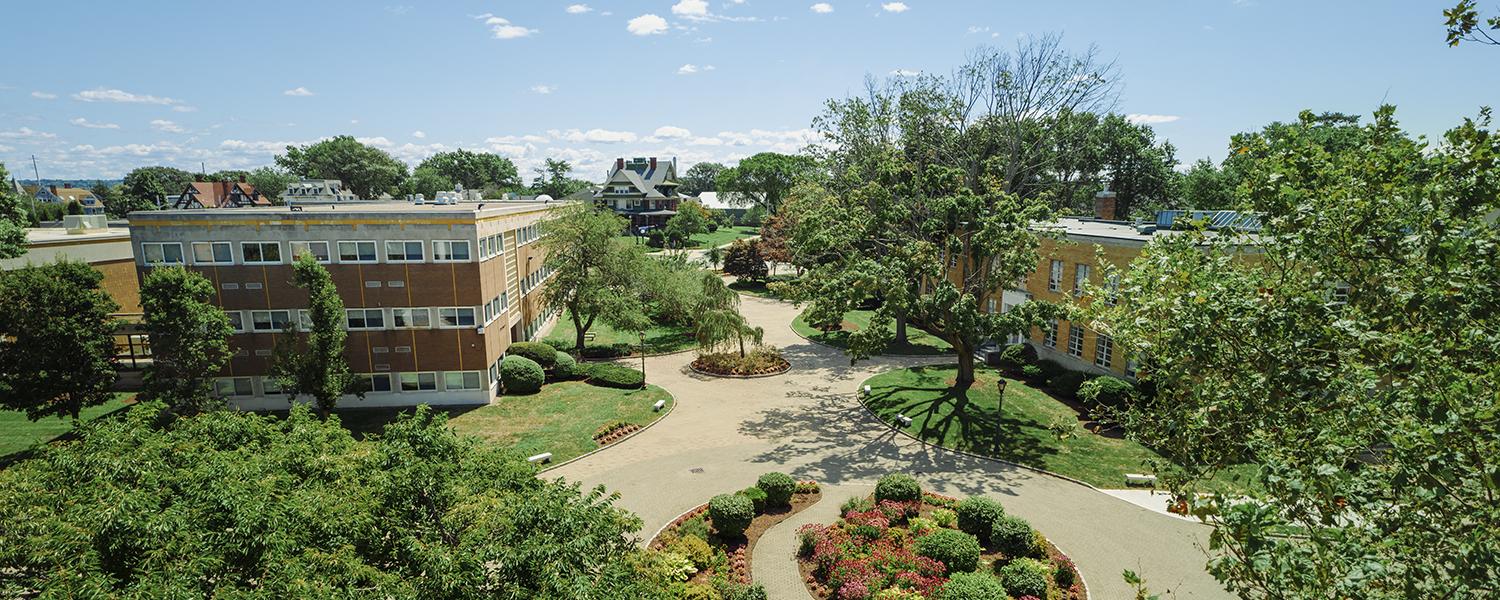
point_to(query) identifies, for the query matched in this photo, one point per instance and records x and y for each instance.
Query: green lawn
(919, 341)
(17, 433)
(560, 419)
(940, 417)
(659, 339)
(721, 237)
(758, 288)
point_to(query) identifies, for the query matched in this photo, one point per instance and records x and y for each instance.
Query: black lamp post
(999, 411)
(643, 360)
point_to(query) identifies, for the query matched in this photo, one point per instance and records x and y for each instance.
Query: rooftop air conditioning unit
(420, 199)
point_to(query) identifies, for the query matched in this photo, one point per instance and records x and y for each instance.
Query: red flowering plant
(899, 512)
(869, 525)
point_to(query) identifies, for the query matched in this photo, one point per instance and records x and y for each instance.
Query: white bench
(1139, 479)
(542, 458)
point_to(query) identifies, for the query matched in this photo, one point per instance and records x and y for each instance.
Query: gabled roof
(79, 195)
(653, 182)
(220, 194)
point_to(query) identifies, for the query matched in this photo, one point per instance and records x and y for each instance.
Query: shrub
(1031, 372)
(807, 539)
(1107, 392)
(697, 526)
(743, 260)
(695, 548)
(757, 497)
(731, 514)
(1012, 536)
(1067, 384)
(610, 427)
(977, 515)
(732, 590)
(559, 345)
(1016, 356)
(807, 487)
(1063, 573)
(542, 354)
(898, 487)
(778, 487)
(856, 504)
(956, 549)
(521, 375)
(700, 591)
(614, 376)
(566, 367)
(1025, 577)
(654, 239)
(945, 518)
(713, 226)
(919, 526)
(897, 593)
(759, 361)
(972, 586)
(1051, 368)
(606, 350)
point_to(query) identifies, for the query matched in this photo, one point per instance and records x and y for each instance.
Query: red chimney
(619, 164)
(653, 163)
(1104, 205)
(242, 179)
(53, 188)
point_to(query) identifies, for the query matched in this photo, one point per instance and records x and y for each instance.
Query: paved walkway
(724, 433)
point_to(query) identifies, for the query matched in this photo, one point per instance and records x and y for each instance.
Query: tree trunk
(579, 328)
(900, 329)
(965, 378)
(742, 345)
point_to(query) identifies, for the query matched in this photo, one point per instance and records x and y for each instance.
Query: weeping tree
(719, 321)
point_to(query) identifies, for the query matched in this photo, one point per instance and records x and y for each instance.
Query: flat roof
(1084, 227)
(48, 236)
(486, 208)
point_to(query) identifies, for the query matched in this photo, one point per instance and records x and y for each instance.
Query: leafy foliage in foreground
(238, 505)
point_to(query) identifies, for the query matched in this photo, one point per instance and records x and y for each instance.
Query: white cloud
(543, 89)
(597, 136)
(647, 24)
(904, 73)
(895, 7)
(419, 134)
(27, 133)
(1141, 119)
(578, 9)
(167, 126)
(44, 95)
(687, 69)
(114, 95)
(503, 29)
(691, 8)
(184, 109)
(298, 91)
(82, 122)
(821, 8)
(670, 132)
(516, 139)
(978, 29)
(5, 148)
(705, 141)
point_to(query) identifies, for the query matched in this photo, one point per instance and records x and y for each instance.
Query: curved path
(724, 433)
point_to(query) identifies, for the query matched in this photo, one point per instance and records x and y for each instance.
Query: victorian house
(643, 190)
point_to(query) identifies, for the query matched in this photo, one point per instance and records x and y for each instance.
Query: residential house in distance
(219, 194)
(434, 293)
(67, 193)
(643, 190)
(734, 204)
(317, 190)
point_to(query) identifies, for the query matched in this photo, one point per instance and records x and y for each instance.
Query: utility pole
(38, 174)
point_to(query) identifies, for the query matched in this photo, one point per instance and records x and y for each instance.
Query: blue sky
(94, 89)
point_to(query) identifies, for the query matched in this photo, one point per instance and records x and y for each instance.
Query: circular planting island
(906, 544)
(760, 362)
(714, 542)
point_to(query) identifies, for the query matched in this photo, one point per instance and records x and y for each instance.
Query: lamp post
(999, 412)
(643, 360)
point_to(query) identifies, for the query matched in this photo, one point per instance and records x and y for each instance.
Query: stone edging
(887, 354)
(634, 356)
(694, 369)
(670, 407)
(673, 520)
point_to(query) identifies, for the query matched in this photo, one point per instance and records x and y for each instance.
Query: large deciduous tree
(1206, 186)
(1138, 169)
(233, 504)
(691, 219)
(766, 177)
(189, 338)
(366, 170)
(1353, 357)
(554, 178)
(13, 219)
(271, 182)
(594, 277)
(701, 177)
(57, 349)
(426, 181)
(146, 186)
(475, 170)
(314, 364)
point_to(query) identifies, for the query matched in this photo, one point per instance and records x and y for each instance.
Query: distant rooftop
(486, 208)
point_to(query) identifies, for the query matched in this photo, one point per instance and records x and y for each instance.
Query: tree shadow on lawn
(948, 418)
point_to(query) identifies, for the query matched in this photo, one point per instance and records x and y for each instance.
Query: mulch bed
(740, 550)
(783, 367)
(616, 435)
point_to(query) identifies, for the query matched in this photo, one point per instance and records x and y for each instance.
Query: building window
(461, 380)
(1112, 285)
(268, 386)
(236, 320)
(990, 306)
(304, 320)
(1054, 277)
(365, 318)
(233, 386)
(319, 250)
(1080, 277)
(162, 253)
(1075, 341)
(460, 316)
(1104, 349)
(260, 253)
(418, 382)
(380, 382)
(398, 251)
(270, 320)
(357, 252)
(450, 250)
(411, 318)
(1049, 338)
(1131, 366)
(212, 253)
(1338, 295)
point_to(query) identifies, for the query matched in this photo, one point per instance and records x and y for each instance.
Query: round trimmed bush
(898, 487)
(972, 586)
(1016, 356)
(977, 515)
(1025, 577)
(1106, 391)
(615, 376)
(778, 487)
(757, 497)
(731, 514)
(566, 367)
(956, 549)
(1067, 384)
(544, 355)
(1012, 536)
(521, 375)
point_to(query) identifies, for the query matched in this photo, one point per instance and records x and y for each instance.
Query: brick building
(435, 294)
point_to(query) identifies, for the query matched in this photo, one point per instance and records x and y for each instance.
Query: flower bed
(760, 361)
(720, 554)
(905, 545)
(614, 431)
